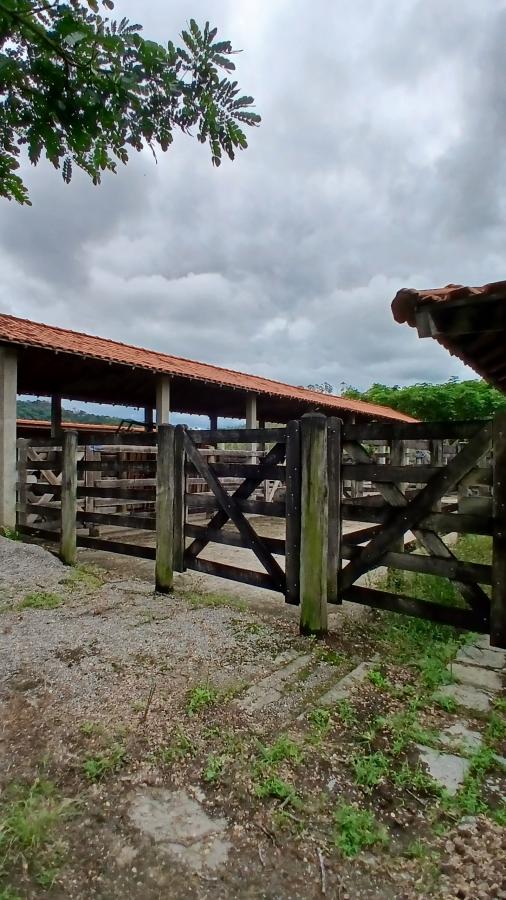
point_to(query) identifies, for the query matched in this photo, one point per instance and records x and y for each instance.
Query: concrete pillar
(8, 390)
(55, 416)
(163, 400)
(251, 418)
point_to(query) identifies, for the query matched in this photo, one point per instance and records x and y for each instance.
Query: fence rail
(407, 484)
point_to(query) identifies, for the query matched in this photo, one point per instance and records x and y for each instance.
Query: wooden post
(397, 458)
(314, 525)
(179, 499)
(8, 387)
(22, 476)
(55, 416)
(498, 602)
(68, 498)
(252, 421)
(292, 537)
(164, 509)
(436, 459)
(334, 508)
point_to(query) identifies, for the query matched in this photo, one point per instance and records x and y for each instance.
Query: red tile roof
(34, 334)
(473, 340)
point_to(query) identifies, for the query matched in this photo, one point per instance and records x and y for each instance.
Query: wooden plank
(243, 470)
(428, 539)
(239, 436)
(396, 473)
(112, 468)
(100, 439)
(40, 490)
(69, 499)
(22, 457)
(476, 506)
(146, 523)
(293, 498)
(45, 534)
(314, 525)
(165, 509)
(230, 507)
(121, 547)
(179, 501)
(443, 522)
(231, 538)
(334, 508)
(470, 573)
(468, 619)
(275, 455)
(233, 573)
(498, 602)
(360, 536)
(388, 431)
(122, 493)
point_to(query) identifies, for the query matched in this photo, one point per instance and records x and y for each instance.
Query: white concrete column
(163, 400)
(251, 418)
(8, 390)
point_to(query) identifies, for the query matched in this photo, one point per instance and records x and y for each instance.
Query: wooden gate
(424, 501)
(235, 492)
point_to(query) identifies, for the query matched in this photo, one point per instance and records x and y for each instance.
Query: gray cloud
(378, 165)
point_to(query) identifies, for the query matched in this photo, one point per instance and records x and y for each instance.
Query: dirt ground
(195, 746)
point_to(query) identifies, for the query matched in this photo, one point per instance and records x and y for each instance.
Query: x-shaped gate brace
(230, 509)
(407, 514)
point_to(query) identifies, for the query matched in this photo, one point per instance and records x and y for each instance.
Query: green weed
(447, 703)
(356, 829)
(276, 787)
(90, 728)
(404, 729)
(499, 815)
(98, 766)
(41, 600)
(415, 779)
(29, 817)
(418, 850)
(214, 767)
(331, 657)
(8, 893)
(12, 535)
(283, 749)
(214, 601)
(379, 680)
(370, 769)
(199, 697)
(321, 723)
(347, 713)
(180, 747)
(89, 578)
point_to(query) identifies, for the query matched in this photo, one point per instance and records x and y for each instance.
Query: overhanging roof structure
(470, 322)
(56, 361)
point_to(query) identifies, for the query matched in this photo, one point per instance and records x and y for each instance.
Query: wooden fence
(416, 483)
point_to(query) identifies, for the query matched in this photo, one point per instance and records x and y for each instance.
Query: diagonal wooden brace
(220, 518)
(229, 506)
(416, 510)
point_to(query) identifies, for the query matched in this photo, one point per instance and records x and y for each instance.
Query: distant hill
(41, 409)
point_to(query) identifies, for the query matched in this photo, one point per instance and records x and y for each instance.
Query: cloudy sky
(379, 164)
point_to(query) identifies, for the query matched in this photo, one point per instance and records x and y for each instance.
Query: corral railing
(349, 499)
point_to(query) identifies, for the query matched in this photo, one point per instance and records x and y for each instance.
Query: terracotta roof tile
(34, 334)
(407, 301)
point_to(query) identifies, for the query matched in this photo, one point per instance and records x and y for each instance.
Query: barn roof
(79, 366)
(470, 322)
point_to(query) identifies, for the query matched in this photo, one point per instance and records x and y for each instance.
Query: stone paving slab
(466, 695)
(487, 679)
(473, 655)
(270, 689)
(346, 685)
(446, 769)
(460, 737)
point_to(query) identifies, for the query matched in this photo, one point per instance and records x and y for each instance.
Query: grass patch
(214, 767)
(12, 535)
(321, 722)
(370, 769)
(447, 703)
(379, 680)
(284, 749)
(29, 817)
(404, 729)
(213, 601)
(41, 600)
(279, 789)
(356, 829)
(89, 578)
(180, 747)
(200, 697)
(100, 765)
(347, 713)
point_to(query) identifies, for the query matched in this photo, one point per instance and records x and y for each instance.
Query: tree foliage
(84, 90)
(453, 399)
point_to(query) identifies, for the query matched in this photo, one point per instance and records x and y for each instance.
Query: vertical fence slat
(68, 535)
(314, 525)
(179, 501)
(293, 488)
(334, 508)
(165, 509)
(498, 602)
(22, 476)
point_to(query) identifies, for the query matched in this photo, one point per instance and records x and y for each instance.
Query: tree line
(450, 400)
